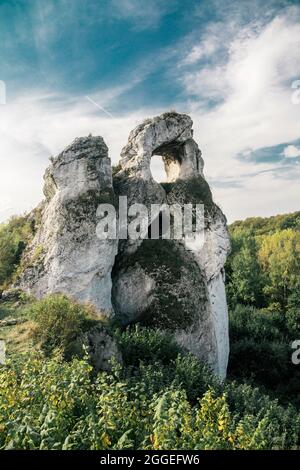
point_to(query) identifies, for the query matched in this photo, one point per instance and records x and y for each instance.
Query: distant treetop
(267, 225)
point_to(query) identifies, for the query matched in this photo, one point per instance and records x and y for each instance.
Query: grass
(18, 338)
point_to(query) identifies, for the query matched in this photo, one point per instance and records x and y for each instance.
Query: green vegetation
(263, 269)
(147, 345)
(160, 397)
(195, 190)
(52, 404)
(59, 321)
(260, 352)
(116, 168)
(14, 236)
(268, 225)
(263, 288)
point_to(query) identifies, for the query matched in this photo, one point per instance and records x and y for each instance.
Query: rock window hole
(166, 162)
(157, 168)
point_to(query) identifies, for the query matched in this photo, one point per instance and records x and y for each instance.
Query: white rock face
(66, 255)
(218, 304)
(212, 257)
(130, 300)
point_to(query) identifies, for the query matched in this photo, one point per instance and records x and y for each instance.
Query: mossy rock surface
(191, 191)
(179, 294)
(138, 190)
(86, 204)
(194, 190)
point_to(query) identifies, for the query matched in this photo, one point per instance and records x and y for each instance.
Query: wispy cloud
(241, 105)
(291, 151)
(143, 14)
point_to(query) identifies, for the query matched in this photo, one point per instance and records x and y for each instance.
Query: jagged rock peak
(169, 135)
(82, 166)
(81, 147)
(71, 258)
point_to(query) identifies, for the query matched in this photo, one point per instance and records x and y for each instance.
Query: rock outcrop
(162, 283)
(181, 287)
(101, 347)
(66, 255)
(170, 136)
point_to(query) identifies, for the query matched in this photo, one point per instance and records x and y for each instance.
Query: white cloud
(261, 195)
(255, 111)
(143, 14)
(51, 123)
(291, 151)
(207, 47)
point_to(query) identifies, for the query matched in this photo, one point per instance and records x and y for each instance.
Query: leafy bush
(146, 351)
(185, 372)
(260, 351)
(51, 404)
(193, 376)
(14, 236)
(249, 322)
(147, 345)
(59, 320)
(271, 420)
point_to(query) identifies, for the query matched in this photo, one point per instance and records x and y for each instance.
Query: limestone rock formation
(170, 136)
(160, 283)
(66, 255)
(178, 289)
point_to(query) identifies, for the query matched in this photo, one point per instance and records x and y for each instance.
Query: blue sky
(230, 64)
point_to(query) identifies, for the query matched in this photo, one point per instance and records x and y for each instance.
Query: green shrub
(293, 322)
(260, 351)
(52, 404)
(184, 372)
(249, 322)
(147, 345)
(193, 376)
(14, 236)
(283, 423)
(59, 321)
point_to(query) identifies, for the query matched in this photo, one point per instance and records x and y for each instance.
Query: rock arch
(206, 333)
(169, 135)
